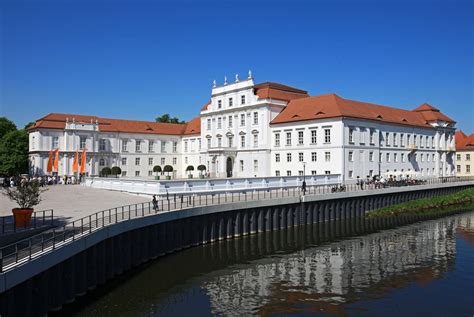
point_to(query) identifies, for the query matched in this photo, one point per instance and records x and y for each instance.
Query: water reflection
(306, 270)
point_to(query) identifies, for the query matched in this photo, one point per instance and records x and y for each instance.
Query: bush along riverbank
(434, 206)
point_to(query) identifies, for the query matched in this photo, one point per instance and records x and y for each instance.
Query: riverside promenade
(91, 250)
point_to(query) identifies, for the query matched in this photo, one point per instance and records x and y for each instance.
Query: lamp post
(304, 178)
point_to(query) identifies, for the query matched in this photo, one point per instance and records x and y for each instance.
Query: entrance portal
(229, 166)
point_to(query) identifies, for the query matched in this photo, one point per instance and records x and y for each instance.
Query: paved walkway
(75, 201)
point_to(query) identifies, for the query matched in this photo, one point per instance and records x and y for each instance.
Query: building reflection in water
(321, 278)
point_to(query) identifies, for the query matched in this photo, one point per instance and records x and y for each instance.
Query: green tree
(166, 118)
(14, 153)
(6, 126)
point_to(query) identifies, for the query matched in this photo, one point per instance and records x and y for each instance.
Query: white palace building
(248, 130)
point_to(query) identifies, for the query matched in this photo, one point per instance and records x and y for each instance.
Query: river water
(422, 269)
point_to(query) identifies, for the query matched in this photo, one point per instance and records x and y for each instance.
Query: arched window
(101, 162)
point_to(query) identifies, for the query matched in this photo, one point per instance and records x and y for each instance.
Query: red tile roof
(58, 121)
(206, 106)
(333, 106)
(464, 142)
(193, 126)
(269, 90)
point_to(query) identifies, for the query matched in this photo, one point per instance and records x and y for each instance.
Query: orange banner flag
(83, 162)
(56, 160)
(75, 162)
(50, 162)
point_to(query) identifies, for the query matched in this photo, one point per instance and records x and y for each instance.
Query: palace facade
(267, 129)
(464, 154)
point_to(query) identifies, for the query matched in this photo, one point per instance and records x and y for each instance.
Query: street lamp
(304, 178)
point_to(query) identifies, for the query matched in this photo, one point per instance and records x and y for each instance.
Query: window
(277, 157)
(371, 173)
(163, 146)
(124, 173)
(421, 141)
(288, 173)
(137, 173)
(150, 173)
(137, 161)
(138, 145)
(432, 142)
(403, 157)
(371, 136)
(458, 168)
(102, 145)
(241, 165)
(314, 156)
(242, 141)
(255, 166)
(380, 157)
(277, 139)
(313, 172)
(150, 161)
(150, 146)
(231, 102)
(351, 174)
(402, 139)
(163, 161)
(314, 136)
(219, 142)
(327, 156)
(371, 156)
(288, 157)
(219, 123)
(468, 157)
(288, 138)
(458, 157)
(277, 173)
(327, 172)
(409, 139)
(421, 157)
(229, 122)
(433, 157)
(101, 162)
(219, 104)
(468, 169)
(242, 100)
(351, 135)
(300, 173)
(387, 159)
(55, 143)
(327, 135)
(230, 141)
(209, 143)
(387, 139)
(300, 137)
(395, 157)
(175, 146)
(185, 160)
(124, 161)
(209, 124)
(362, 136)
(255, 118)
(242, 119)
(175, 160)
(185, 146)
(351, 156)
(199, 140)
(255, 140)
(301, 157)
(395, 141)
(82, 142)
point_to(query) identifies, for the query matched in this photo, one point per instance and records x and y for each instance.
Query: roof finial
(67, 119)
(225, 80)
(250, 74)
(214, 84)
(236, 78)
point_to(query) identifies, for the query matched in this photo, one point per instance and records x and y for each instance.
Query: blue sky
(140, 59)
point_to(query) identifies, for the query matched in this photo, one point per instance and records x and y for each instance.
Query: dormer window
(219, 104)
(242, 100)
(230, 102)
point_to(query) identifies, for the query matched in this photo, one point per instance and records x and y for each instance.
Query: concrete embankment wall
(57, 278)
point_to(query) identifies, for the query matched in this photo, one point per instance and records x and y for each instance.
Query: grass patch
(451, 203)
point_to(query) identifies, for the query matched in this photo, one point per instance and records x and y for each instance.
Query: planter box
(201, 176)
(157, 177)
(22, 217)
(190, 176)
(168, 178)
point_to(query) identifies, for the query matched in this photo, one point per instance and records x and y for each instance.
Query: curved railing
(28, 249)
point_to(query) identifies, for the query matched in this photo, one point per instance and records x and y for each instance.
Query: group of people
(14, 181)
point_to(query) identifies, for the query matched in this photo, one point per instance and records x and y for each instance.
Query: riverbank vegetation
(463, 200)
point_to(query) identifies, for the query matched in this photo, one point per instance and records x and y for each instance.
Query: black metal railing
(39, 219)
(27, 249)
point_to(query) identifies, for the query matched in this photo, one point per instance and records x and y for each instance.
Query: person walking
(155, 203)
